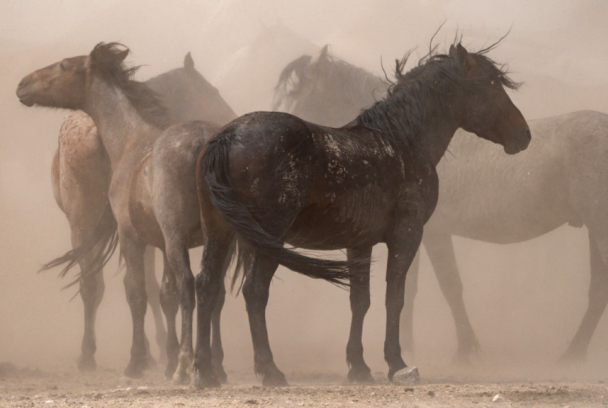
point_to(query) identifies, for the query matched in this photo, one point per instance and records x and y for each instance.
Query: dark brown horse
(152, 193)
(274, 178)
(81, 176)
(482, 194)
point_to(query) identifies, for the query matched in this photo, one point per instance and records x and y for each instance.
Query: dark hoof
(461, 359)
(274, 379)
(150, 363)
(220, 374)
(86, 364)
(170, 370)
(135, 370)
(571, 357)
(206, 381)
(360, 376)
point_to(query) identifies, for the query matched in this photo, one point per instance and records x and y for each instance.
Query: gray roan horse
(484, 195)
(274, 178)
(81, 176)
(153, 188)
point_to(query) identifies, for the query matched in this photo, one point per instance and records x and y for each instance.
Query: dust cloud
(525, 300)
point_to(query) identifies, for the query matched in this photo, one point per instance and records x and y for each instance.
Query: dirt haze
(525, 300)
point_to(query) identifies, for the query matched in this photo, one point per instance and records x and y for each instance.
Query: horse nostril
(22, 83)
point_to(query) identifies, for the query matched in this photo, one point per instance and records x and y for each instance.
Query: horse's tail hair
(213, 166)
(104, 241)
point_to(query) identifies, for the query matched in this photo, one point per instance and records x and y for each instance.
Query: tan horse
(141, 163)
(81, 176)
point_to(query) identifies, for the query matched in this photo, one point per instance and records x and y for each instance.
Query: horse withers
(273, 178)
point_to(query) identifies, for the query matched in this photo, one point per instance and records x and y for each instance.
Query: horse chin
(27, 102)
(512, 148)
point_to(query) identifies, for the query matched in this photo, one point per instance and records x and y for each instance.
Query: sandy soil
(68, 388)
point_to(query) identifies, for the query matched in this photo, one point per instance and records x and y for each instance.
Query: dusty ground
(67, 388)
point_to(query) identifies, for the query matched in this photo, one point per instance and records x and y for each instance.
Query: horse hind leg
(598, 299)
(218, 238)
(440, 249)
(179, 261)
(358, 372)
(170, 304)
(217, 351)
(255, 291)
(153, 291)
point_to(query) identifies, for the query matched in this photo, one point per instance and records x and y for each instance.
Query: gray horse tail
(104, 239)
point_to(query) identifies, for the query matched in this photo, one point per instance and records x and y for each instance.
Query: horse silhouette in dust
(561, 179)
(81, 176)
(152, 192)
(273, 178)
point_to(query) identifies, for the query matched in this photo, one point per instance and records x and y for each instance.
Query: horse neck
(438, 119)
(117, 121)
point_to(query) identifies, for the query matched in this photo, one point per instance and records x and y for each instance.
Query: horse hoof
(86, 364)
(275, 379)
(362, 376)
(220, 374)
(572, 358)
(135, 370)
(206, 381)
(181, 378)
(170, 371)
(407, 376)
(150, 363)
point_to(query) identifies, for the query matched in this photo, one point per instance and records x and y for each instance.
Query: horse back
(337, 187)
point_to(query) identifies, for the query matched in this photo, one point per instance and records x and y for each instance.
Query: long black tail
(214, 168)
(104, 239)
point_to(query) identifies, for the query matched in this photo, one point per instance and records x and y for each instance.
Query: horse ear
(452, 50)
(188, 62)
(463, 56)
(323, 54)
(122, 55)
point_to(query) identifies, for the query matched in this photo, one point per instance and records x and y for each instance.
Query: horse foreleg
(402, 247)
(92, 288)
(440, 249)
(135, 287)
(153, 291)
(407, 315)
(255, 291)
(598, 298)
(170, 304)
(359, 305)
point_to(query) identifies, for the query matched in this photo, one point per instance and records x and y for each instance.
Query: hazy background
(525, 300)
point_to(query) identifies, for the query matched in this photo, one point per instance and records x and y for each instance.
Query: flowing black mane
(107, 61)
(401, 114)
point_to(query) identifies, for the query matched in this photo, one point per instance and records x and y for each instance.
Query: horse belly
(358, 218)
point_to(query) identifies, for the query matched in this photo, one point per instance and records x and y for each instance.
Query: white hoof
(407, 376)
